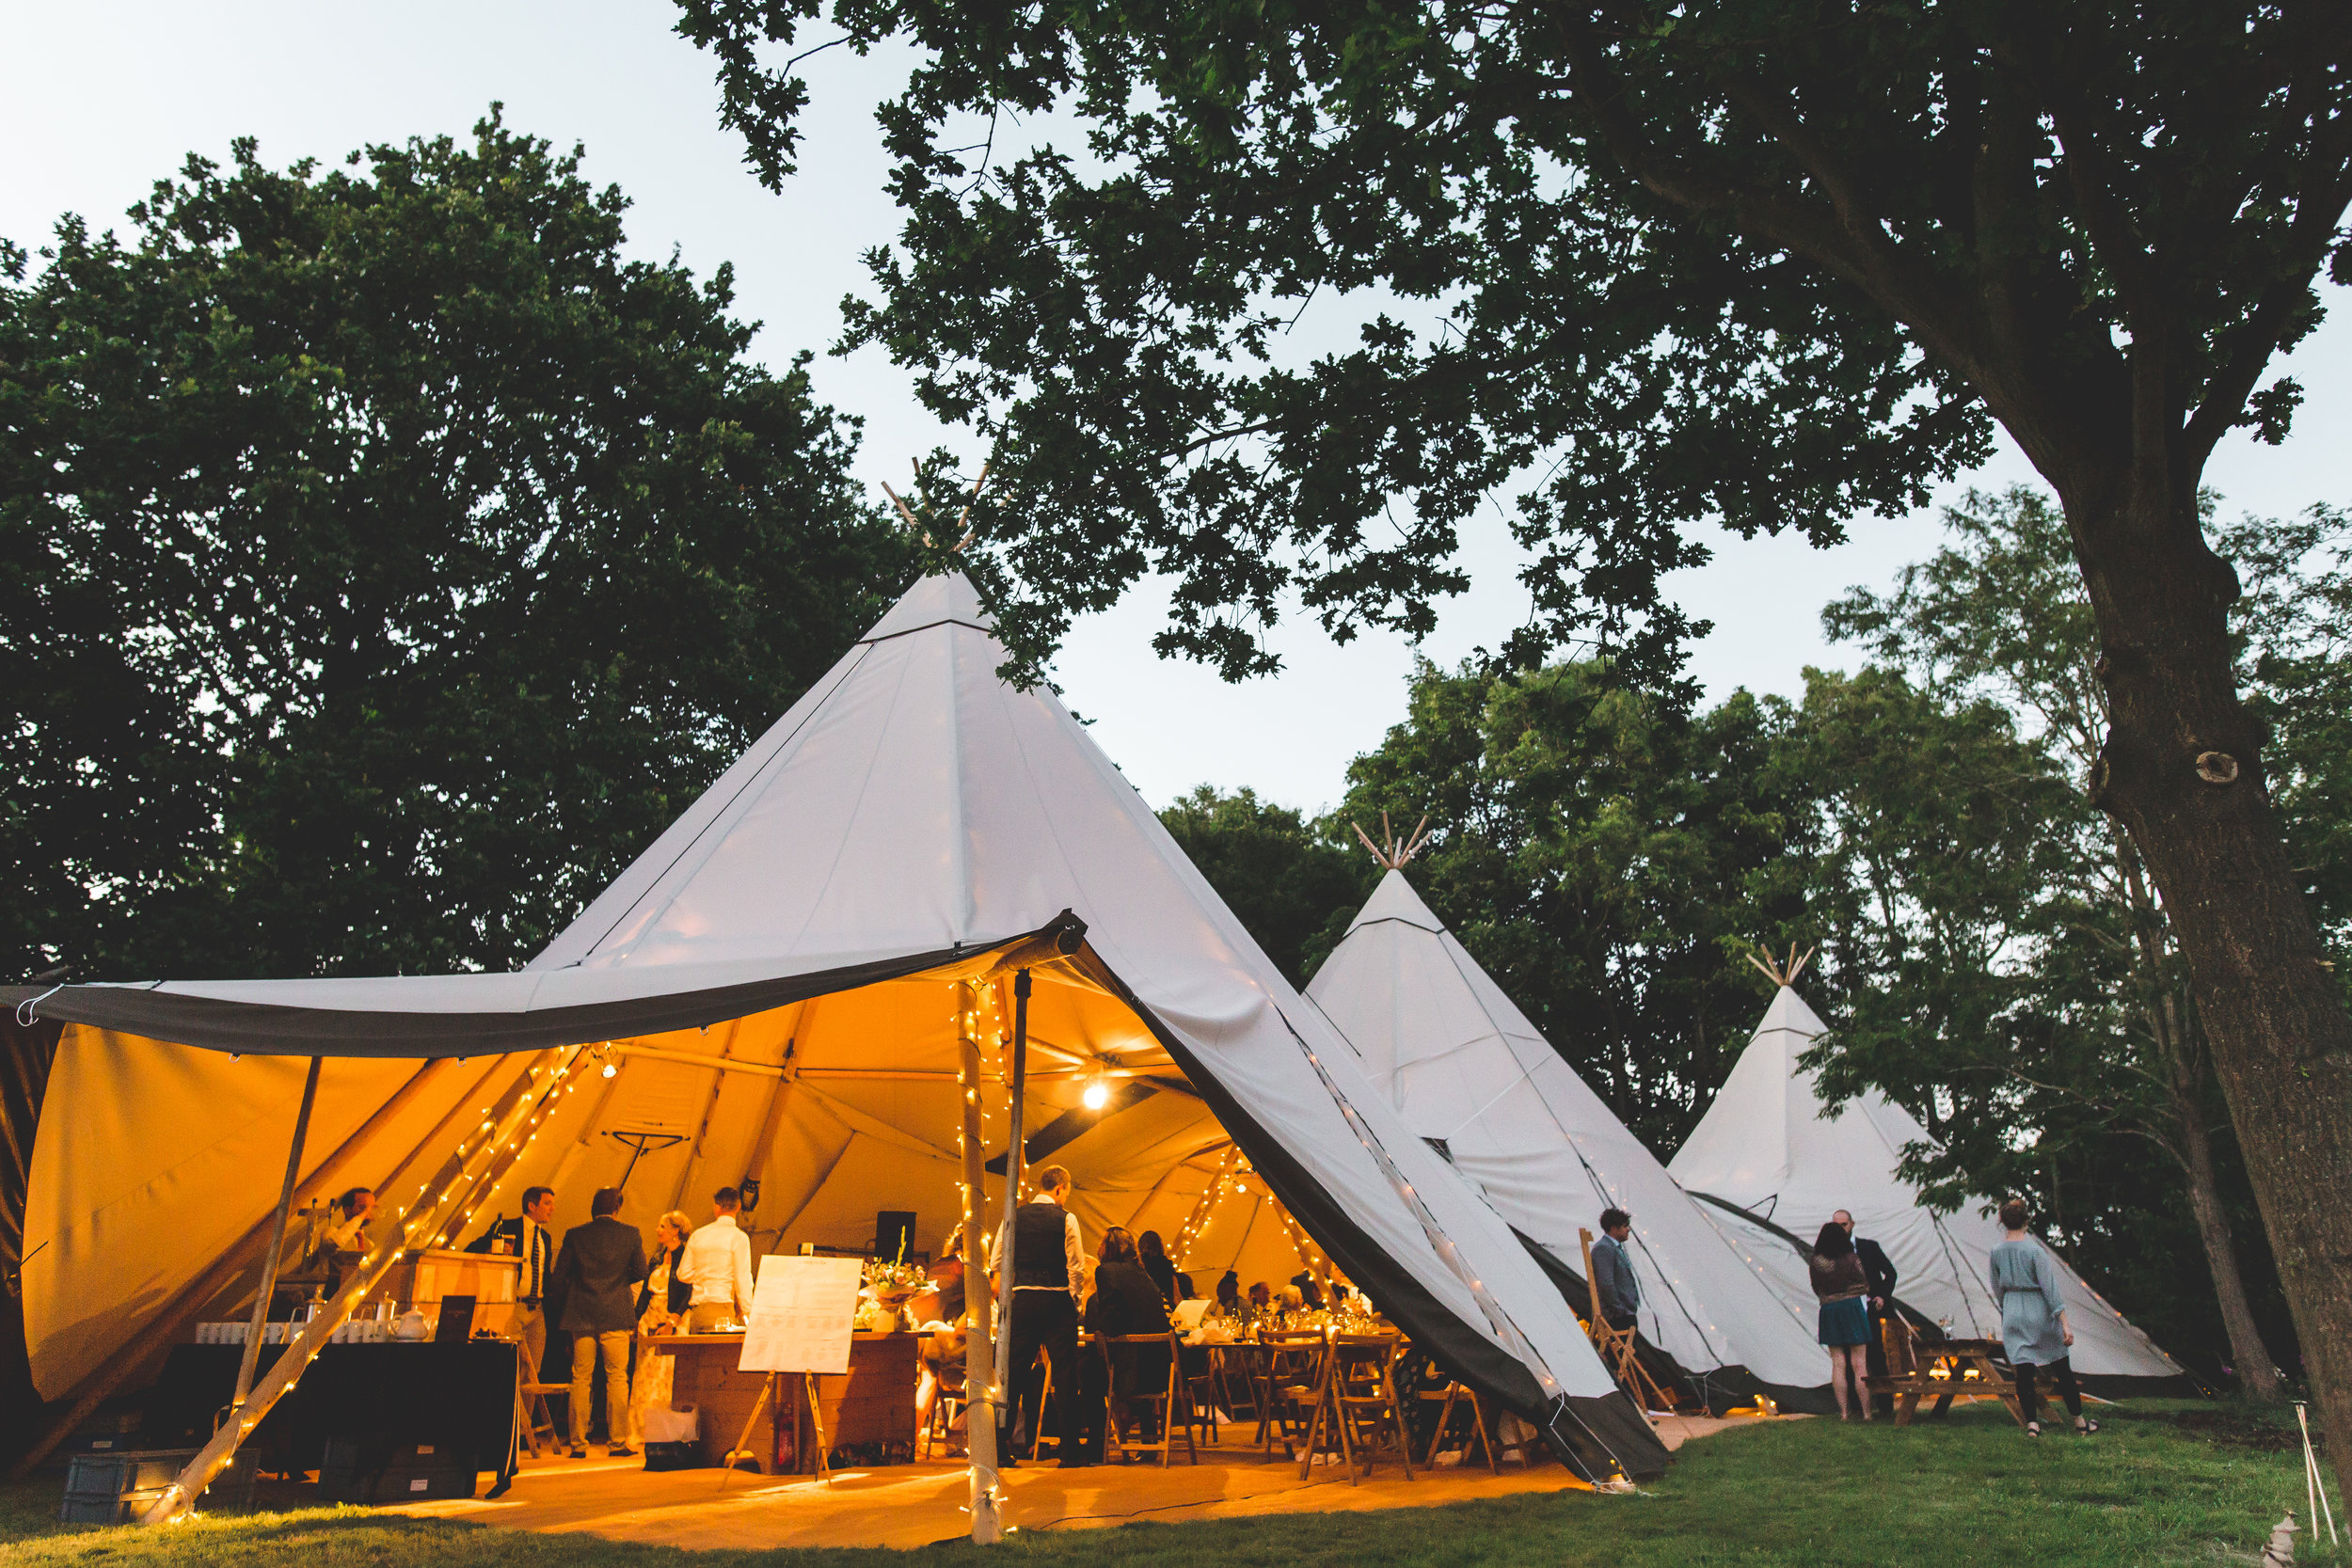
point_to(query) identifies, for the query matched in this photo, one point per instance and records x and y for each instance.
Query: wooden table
(872, 1404)
(1917, 1370)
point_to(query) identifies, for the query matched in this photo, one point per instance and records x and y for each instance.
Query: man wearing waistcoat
(1048, 1277)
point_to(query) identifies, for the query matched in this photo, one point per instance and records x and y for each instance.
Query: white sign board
(803, 1312)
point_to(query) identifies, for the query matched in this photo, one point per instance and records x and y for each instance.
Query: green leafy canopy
(383, 559)
(1772, 263)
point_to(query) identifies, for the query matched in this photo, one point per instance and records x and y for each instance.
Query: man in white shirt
(1048, 1277)
(718, 1264)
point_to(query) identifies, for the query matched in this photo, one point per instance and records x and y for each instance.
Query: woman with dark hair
(1229, 1293)
(1840, 1284)
(1152, 1253)
(1125, 1301)
(2033, 1320)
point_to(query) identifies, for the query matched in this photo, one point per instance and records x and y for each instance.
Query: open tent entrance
(806, 981)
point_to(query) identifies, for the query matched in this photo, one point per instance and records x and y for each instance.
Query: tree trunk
(2181, 768)
(2257, 1373)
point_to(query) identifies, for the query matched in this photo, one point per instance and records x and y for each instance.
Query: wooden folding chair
(1617, 1349)
(531, 1403)
(1455, 1390)
(1361, 1400)
(1288, 1385)
(1116, 1441)
(1044, 1404)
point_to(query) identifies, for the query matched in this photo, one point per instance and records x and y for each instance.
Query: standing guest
(661, 1304)
(2033, 1320)
(1879, 1270)
(595, 1275)
(1126, 1300)
(526, 1237)
(1841, 1284)
(1613, 1271)
(1152, 1253)
(1049, 1271)
(718, 1264)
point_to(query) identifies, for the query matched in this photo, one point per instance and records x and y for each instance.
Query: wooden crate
(423, 1277)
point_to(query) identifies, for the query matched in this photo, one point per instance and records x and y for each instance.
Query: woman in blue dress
(2033, 1320)
(1841, 1284)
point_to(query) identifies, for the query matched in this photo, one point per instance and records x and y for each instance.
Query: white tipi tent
(789, 980)
(1466, 1069)
(1775, 1166)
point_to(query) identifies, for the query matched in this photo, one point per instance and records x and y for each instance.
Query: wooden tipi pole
(984, 1399)
(276, 1248)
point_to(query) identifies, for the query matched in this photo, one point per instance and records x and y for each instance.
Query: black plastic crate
(364, 1470)
(109, 1488)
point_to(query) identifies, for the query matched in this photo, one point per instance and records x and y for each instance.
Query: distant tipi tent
(1467, 1072)
(1771, 1164)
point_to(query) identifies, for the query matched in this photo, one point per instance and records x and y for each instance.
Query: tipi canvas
(782, 990)
(1773, 1163)
(1466, 1071)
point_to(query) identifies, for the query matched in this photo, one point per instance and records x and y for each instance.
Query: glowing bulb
(611, 1072)
(1098, 1094)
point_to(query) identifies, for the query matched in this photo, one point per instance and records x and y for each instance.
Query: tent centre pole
(980, 1376)
(276, 1241)
(1016, 1166)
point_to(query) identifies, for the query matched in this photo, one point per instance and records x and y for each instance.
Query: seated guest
(1125, 1301)
(947, 1323)
(1153, 1254)
(1260, 1296)
(1229, 1293)
(345, 1241)
(1307, 1290)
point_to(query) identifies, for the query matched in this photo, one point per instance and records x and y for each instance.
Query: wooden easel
(771, 1403)
(1617, 1346)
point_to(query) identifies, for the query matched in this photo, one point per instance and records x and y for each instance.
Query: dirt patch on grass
(2234, 1429)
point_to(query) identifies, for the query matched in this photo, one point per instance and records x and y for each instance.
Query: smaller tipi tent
(1774, 1163)
(1469, 1072)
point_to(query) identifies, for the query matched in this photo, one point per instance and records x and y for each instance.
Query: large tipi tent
(1466, 1069)
(1771, 1164)
(787, 985)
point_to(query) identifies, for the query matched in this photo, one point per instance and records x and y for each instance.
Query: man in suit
(1879, 1272)
(526, 1237)
(596, 1298)
(1613, 1269)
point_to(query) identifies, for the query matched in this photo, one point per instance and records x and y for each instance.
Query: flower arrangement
(895, 1280)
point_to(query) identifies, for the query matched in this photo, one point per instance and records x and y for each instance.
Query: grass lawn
(2168, 1481)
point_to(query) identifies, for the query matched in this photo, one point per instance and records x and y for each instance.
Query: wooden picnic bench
(1917, 1370)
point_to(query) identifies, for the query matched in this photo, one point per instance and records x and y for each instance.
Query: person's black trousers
(2061, 1379)
(1047, 1321)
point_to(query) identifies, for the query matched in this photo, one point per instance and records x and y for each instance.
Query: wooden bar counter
(873, 1402)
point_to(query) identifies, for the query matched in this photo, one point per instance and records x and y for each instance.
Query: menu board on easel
(804, 1311)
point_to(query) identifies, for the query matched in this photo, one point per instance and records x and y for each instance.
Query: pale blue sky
(100, 98)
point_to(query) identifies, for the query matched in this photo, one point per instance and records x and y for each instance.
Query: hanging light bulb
(1098, 1094)
(611, 1072)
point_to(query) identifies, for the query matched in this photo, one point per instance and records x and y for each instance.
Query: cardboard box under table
(871, 1406)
